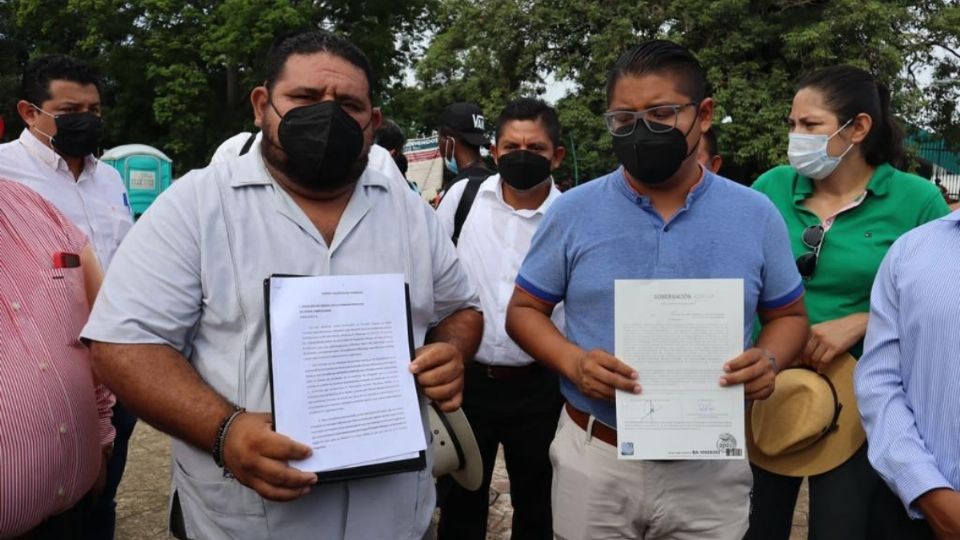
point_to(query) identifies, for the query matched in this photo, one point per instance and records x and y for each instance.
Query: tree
(11, 53)
(754, 52)
(937, 48)
(178, 73)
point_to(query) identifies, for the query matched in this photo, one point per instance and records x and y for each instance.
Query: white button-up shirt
(191, 276)
(493, 242)
(96, 202)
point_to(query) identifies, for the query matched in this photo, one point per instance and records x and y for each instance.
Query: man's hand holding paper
(753, 370)
(257, 456)
(599, 374)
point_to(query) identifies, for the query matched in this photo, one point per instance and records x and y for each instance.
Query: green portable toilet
(145, 170)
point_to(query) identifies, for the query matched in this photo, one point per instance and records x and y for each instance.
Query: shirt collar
(253, 172)
(49, 156)
(696, 191)
(494, 187)
(802, 187)
(878, 185)
(953, 216)
(701, 186)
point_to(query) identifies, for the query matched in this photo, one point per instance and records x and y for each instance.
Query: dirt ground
(142, 498)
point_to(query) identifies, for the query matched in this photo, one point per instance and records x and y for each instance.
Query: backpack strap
(466, 201)
(248, 144)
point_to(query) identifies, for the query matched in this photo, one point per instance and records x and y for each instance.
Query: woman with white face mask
(844, 203)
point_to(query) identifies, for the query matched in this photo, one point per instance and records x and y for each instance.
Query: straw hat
(810, 424)
(455, 450)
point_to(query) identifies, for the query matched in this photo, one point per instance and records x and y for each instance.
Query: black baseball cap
(467, 121)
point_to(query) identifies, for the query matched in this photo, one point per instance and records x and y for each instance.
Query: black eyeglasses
(812, 237)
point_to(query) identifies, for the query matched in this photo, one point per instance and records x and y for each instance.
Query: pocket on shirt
(63, 295)
(222, 505)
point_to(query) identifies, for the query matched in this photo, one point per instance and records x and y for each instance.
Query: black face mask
(322, 144)
(652, 158)
(78, 134)
(523, 169)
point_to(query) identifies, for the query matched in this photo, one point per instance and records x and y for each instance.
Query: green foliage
(754, 51)
(937, 48)
(178, 73)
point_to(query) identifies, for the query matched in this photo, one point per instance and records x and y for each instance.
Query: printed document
(340, 358)
(677, 334)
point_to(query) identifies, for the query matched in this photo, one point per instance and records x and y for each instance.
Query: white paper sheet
(340, 366)
(677, 334)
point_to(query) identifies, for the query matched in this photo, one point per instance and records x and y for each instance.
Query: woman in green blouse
(844, 204)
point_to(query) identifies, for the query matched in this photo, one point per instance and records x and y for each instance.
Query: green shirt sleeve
(760, 184)
(769, 179)
(935, 208)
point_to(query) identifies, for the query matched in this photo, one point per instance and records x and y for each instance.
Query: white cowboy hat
(455, 450)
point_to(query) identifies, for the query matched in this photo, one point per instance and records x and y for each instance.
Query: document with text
(340, 352)
(677, 334)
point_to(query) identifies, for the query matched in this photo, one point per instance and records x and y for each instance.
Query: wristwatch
(773, 361)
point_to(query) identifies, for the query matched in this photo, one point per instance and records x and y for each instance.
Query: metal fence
(941, 165)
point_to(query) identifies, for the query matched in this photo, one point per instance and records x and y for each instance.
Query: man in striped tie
(55, 431)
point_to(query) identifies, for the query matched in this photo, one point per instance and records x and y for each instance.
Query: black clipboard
(350, 473)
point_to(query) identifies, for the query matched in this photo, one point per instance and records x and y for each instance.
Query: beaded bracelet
(219, 443)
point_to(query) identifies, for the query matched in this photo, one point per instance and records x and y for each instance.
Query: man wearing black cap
(462, 133)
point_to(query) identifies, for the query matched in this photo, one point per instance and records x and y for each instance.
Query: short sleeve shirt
(603, 231)
(857, 239)
(190, 275)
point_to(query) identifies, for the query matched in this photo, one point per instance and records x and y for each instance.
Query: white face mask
(808, 154)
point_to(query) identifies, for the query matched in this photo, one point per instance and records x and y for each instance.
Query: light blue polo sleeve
(782, 284)
(543, 273)
(152, 293)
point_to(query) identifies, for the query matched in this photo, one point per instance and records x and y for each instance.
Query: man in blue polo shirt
(660, 216)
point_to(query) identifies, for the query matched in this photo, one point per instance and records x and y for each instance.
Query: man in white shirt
(60, 106)
(54, 154)
(508, 398)
(179, 327)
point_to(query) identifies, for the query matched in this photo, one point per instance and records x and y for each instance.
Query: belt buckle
(489, 371)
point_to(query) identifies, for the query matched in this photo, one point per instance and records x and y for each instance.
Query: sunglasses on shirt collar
(812, 237)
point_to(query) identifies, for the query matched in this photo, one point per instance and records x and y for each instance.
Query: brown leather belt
(600, 430)
(505, 373)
